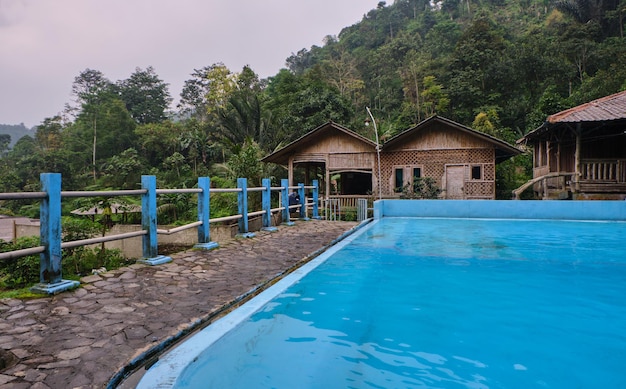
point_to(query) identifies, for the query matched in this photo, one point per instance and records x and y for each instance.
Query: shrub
(18, 272)
(422, 188)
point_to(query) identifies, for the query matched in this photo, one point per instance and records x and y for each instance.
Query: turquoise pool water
(440, 303)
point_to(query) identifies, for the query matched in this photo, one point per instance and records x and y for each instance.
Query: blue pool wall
(503, 209)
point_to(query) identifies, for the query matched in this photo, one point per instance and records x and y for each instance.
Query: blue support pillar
(242, 205)
(149, 223)
(284, 183)
(302, 201)
(316, 194)
(50, 265)
(266, 201)
(204, 212)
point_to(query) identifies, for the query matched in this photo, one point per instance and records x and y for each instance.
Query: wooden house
(341, 159)
(460, 160)
(580, 153)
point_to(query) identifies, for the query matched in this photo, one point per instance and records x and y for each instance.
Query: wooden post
(290, 170)
(577, 158)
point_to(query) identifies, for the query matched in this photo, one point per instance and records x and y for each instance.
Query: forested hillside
(10, 133)
(498, 66)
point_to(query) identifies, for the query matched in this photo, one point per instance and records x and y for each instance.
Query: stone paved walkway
(82, 338)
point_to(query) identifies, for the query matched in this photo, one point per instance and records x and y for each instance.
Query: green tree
(208, 90)
(5, 141)
(157, 141)
(435, 99)
(300, 103)
(48, 135)
(123, 170)
(101, 131)
(145, 95)
(474, 77)
(342, 73)
(88, 88)
(246, 163)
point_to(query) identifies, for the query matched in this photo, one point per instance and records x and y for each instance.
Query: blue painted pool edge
(503, 209)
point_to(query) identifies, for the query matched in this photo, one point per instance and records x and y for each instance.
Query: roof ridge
(585, 110)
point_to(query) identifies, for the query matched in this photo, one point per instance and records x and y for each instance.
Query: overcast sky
(45, 44)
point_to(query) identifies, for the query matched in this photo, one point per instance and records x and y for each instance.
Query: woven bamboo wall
(433, 164)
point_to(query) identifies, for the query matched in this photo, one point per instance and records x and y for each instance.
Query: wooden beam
(290, 171)
(577, 158)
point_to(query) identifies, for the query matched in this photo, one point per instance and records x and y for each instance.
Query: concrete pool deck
(82, 338)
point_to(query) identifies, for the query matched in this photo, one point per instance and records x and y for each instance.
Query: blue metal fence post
(204, 212)
(266, 201)
(284, 183)
(242, 205)
(50, 263)
(316, 191)
(302, 201)
(149, 223)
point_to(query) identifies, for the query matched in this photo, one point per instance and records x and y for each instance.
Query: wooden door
(455, 178)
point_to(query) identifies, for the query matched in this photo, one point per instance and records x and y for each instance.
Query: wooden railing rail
(603, 170)
(517, 192)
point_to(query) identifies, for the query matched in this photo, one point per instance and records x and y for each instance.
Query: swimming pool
(429, 302)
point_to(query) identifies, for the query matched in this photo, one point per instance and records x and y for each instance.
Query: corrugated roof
(611, 107)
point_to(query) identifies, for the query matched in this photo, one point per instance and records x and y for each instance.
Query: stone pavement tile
(81, 338)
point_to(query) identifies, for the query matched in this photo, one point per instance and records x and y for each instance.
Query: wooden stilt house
(580, 153)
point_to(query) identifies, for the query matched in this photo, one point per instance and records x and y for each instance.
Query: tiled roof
(611, 107)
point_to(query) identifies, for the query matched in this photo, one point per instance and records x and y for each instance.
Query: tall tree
(145, 95)
(207, 91)
(115, 133)
(48, 135)
(90, 88)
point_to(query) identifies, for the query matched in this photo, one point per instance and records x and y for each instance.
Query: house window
(477, 172)
(405, 175)
(398, 179)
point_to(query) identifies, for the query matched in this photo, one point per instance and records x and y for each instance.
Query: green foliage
(145, 95)
(246, 164)
(18, 272)
(83, 260)
(123, 170)
(5, 141)
(223, 204)
(512, 174)
(421, 188)
(349, 214)
(78, 228)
